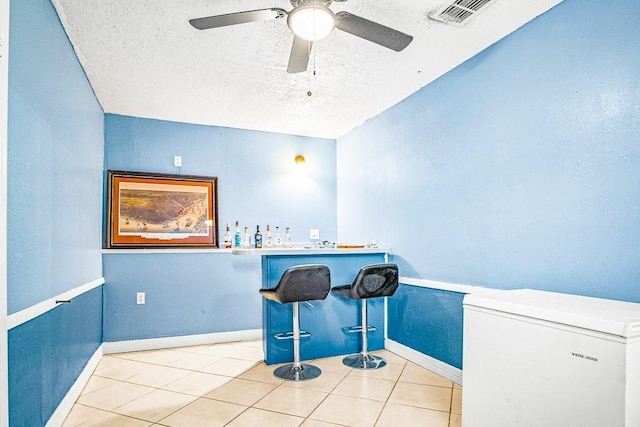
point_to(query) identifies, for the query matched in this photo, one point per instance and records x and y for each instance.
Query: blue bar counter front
(325, 319)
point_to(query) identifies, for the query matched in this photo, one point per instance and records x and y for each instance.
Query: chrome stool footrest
(357, 329)
(301, 283)
(364, 361)
(372, 281)
(292, 372)
(289, 335)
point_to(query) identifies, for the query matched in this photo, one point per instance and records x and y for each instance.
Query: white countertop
(313, 251)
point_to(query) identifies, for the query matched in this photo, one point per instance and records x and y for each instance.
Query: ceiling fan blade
(372, 31)
(237, 18)
(299, 58)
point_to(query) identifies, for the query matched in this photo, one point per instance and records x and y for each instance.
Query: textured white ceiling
(143, 59)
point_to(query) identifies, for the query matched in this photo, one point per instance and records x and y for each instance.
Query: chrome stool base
(364, 361)
(291, 372)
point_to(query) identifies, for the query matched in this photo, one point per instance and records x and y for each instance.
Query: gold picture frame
(161, 210)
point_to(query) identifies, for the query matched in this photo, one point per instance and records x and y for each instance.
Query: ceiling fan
(311, 20)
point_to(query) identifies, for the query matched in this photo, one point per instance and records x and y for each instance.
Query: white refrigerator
(543, 359)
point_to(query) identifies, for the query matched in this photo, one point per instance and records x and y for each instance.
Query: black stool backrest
(303, 283)
(375, 280)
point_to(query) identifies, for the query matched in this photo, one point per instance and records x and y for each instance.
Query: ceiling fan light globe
(311, 22)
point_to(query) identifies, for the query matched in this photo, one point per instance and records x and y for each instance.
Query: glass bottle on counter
(237, 242)
(246, 244)
(227, 237)
(257, 241)
(278, 238)
(287, 238)
(267, 240)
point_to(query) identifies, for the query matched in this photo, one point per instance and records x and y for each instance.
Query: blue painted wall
(427, 320)
(48, 353)
(520, 168)
(186, 294)
(55, 164)
(526, 178)
(55, 156)
(258, 183)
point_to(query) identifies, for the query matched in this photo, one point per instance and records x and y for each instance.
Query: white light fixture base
(311, 21)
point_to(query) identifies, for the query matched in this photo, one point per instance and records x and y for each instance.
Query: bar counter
(324, 320)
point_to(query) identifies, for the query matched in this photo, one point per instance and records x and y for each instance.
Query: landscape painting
(161, 210)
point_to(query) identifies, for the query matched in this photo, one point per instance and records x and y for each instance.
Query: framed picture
(161, 210)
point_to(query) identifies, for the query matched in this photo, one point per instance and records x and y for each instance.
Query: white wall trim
(4, 98)
(64, 408)
(445, 286)
(34, 311)
(443, 369)
(180, 341)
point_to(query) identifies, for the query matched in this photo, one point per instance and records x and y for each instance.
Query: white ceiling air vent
(458, 12)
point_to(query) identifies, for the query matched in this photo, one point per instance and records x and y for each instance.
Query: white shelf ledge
(313, 251)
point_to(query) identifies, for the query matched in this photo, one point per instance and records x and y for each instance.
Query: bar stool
(298, 284)
(373, 281)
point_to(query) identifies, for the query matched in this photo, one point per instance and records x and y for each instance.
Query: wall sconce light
(299, 159)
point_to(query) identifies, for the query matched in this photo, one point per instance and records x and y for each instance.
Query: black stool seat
(372, 281)
(301, 283)
(298, 284)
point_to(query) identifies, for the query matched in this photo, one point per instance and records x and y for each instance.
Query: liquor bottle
(227, 237)
(237, 238)
(247, 239)
(267, 239)
(287, 238)
(258, 238)
(278, 238)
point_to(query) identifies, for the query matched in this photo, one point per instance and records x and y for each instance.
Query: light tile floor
(229, 385)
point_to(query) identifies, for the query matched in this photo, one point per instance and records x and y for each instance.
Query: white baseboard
(63, 409)
(449, 372)
(181, 341)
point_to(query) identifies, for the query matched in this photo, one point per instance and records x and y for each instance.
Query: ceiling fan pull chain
(314, 62)
(309, 93)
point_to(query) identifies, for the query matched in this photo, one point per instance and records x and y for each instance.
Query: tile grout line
(284, 384)
(160, 388)
(349, 373)
(146, 394)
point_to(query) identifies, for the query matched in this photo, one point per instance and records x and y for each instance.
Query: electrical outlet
(314, 234)
(177, 161)
(140, 298)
